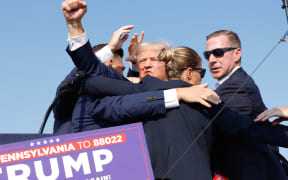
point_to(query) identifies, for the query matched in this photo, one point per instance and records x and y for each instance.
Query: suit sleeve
(127, 108)
(85, 60)
(234, 123)
(239, 101)
(100, 86)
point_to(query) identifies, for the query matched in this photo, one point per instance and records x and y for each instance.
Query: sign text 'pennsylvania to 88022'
(115, 153)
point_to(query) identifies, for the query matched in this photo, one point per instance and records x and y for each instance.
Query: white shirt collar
(221, 81)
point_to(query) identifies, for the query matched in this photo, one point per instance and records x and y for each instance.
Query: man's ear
(238, 54)
(109, 63)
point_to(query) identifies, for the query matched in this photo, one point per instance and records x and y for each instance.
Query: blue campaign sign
(114, 153)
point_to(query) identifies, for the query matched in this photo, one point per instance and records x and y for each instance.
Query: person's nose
(148, 64)
(212, 59)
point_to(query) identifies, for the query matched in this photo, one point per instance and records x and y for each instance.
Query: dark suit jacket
(247, 100)
(242, 160)
(63, 108)
(166, 136)
(229, 121)
(170, 135)
(191, 121)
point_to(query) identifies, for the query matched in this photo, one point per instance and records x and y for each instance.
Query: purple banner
(115, 153)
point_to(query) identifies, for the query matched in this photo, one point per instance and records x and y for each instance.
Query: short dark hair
(97, 47)
(232, 36)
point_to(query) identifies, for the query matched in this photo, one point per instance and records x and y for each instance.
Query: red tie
(220, 177)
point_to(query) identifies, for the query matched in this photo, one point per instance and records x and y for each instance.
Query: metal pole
(285, 6)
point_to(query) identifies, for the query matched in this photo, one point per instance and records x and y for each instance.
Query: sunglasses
(219, 52)
(202, 71)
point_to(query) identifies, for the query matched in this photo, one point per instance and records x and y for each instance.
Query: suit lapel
(232, 78)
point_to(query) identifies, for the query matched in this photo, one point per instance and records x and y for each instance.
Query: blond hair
(157, 45)
(179, 59)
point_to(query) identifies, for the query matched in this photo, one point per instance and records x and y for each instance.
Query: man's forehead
(149, 52)
(218, 42)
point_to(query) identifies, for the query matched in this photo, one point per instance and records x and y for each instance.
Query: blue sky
(33, 59)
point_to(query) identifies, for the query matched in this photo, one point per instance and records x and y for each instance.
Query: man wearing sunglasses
(237, 90)
(224, 59)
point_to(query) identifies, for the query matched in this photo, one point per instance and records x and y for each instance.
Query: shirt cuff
(134, 67)
(171, 99)
(104, 54)
(77, 42)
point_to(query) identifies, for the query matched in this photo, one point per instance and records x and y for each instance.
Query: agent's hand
(281, 112)
(117, 41)
(198, 94)
(134, 43)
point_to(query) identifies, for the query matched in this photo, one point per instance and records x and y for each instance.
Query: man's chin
(141, 76)
(147, 74)
(216, 75)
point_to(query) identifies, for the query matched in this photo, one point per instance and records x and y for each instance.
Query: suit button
(151, 98)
